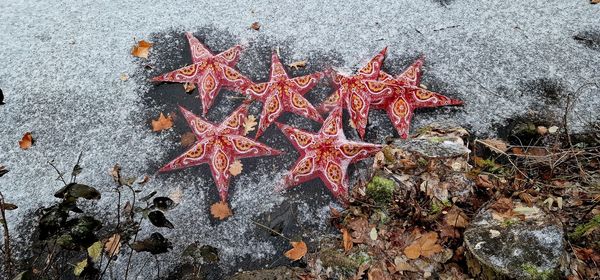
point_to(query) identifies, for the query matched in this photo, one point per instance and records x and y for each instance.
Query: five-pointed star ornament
(356, 92)
(283, 94)
(209, 72)
(408, 96)
(219, 146)
(325, 155)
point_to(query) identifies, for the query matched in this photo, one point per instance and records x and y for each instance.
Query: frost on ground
(60, 64)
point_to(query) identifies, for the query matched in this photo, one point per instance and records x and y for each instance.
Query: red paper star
(325, 155)
(283, 94)
(219, 146)
(408, 96)
(357, 92)
(209, 72)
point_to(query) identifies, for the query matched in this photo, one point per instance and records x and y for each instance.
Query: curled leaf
(113, 245)
(158, 219)
(155, 244)
(298, 250)
(141, 49)
(255, 25)
(26, 142)
(298, 64)
(347, 240)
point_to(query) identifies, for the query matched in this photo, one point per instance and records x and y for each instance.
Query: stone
(523, 243)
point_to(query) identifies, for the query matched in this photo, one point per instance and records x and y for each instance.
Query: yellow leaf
(26, 142)
(298, 251)
(347, 239)
(142, 49)
(113, 245)
(298, 64)
(249, 124)
(236, 168)
(189, 87)
(80, 267)
(220, 210)
(95, 251)
(162, 123)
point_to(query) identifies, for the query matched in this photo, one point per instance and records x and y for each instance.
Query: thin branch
(60, 175)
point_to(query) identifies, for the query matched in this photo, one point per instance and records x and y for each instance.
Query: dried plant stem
(7, 253)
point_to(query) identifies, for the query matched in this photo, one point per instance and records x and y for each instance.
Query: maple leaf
(189, 87)
(426, 246)
(249, 124)
(162, 122)
(236, 167)
(298, 64)
(298, 250)
(113, 245)
(347, 240)
(141, 49)
(187, 139)
(26, 142)
(220, 210)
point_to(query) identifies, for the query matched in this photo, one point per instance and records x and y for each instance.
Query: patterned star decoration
(399, 96)
(208, 71)
(219, 146)
(283, 94)
(408, 96)
(325, 155)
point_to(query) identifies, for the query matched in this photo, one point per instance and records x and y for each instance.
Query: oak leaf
(347, 240)
(113, 245)
(249, 124)
(141, 49)
(162, 122)
(298, 250)
(426, 246)
(220, 210)
(26, 142)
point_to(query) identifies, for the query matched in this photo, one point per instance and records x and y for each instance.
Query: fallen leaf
(542, 130)
(95, 251)
(79, 267)
(249, 124)
(456, 218)
(124, 77)
(375, 273)
(158, 219)
(144, 180)
(255, 25)
(141, 49)
(373, 234)
(162, 123)
(495, 145)
(553, 129)
(115, 172)
(298, 250)
(347, 240)
(426, 246)
(298, 64)
(113, 245)
(220, 210)
(236, 167)
(189, 87)
(594, 1)
(155, 244)
(187, 139)
(26, 142)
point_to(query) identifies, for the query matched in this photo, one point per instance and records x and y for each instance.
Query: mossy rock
(381, 189)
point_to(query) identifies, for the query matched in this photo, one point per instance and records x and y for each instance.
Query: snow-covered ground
(60, 63)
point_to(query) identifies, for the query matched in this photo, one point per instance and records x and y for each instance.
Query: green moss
(580, 230)
(437, 206)
(381, 189)
(536, 273)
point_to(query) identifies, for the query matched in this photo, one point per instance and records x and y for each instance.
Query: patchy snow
(60, 63)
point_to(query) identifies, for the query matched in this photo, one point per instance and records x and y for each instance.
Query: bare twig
(60, 175)
(271, 230)
(7, 253)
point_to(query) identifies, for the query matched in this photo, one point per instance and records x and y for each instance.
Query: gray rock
(529, 244)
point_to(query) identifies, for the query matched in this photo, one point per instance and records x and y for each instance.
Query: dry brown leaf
(144, 180)
(249, 124)
(255, 25)
(236, 167)
(298, 64)
(187, 139)
(595, 1)
(189, 87)
(113, 245)
(347, 239)
(298, 250)
(375, 273)
(456, 218)
(141, 49)
(220, 210)
(162, 123)
(26, 142)
(426, 246)
(496, 145)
